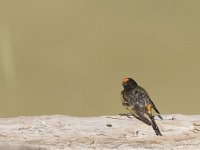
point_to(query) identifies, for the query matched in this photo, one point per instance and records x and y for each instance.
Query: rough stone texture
(105, 132)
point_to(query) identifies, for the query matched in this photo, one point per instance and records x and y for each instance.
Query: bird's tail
(155, 127)
(161, 118)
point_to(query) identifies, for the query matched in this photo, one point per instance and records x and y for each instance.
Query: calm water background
(69, 56)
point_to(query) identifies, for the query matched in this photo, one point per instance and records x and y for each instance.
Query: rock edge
(58, 132)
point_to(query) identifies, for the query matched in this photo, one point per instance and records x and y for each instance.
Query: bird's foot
(126, 114)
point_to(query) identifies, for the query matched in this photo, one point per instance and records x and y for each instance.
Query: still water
(69, 57)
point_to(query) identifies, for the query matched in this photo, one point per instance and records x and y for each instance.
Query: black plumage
(138, 102)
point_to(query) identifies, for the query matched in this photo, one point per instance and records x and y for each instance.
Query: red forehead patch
(125, 80)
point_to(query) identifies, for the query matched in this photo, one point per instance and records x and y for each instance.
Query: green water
(69, 57)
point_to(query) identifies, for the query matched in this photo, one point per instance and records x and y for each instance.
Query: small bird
(138, 102)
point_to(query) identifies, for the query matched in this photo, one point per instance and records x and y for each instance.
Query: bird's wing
(142, 117)
(143, 106)
(154, 107)
(142, 94)
(137, 102)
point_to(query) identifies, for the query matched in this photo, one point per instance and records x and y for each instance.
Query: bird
(137, 101)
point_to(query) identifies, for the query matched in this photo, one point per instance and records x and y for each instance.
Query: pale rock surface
(100, 133)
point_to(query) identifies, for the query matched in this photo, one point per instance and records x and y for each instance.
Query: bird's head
(129, 83)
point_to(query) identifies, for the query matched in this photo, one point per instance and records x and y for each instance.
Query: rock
(105, 132)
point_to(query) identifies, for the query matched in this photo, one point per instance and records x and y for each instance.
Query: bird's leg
(126, 114)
